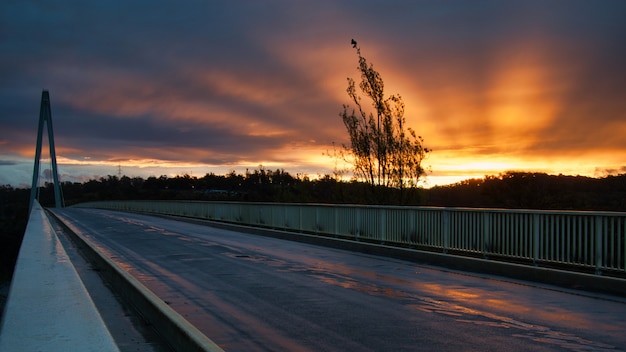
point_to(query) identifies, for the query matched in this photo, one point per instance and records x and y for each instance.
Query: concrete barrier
(48, 307)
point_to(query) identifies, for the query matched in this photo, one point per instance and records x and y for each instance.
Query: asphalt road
(255, 293)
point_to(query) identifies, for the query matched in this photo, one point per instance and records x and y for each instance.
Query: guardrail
(48, 307)
(586, 241)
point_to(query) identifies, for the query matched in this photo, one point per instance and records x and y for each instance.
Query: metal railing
(589, 241)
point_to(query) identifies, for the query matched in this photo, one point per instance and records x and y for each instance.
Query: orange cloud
(489, 87)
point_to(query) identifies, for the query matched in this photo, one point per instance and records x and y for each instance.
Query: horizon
(46, 177)
(186, 88)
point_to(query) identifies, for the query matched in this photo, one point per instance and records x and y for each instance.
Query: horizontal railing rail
(580, 240)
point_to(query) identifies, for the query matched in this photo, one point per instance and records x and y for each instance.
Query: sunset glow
(491, 87)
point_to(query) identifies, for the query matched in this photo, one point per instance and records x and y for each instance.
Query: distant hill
(534, 191)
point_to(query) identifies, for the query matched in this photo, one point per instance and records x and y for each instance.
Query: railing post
(599, 236)
(382, 223)
(412, 227)
(486, 233)
(336, 231)
(317, 219)
(358, 222)
(535, 239)
(445, 227)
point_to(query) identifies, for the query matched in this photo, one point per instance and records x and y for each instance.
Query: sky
(151, 88)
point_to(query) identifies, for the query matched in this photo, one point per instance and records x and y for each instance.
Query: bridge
(212, 276)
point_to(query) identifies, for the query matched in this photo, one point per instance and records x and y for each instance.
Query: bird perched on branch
(353, 43)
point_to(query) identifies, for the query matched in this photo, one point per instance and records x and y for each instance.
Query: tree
(383, 151)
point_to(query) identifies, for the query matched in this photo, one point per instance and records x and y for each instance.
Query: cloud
(207, 83)
(600, 172)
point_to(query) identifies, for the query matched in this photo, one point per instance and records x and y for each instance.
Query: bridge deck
(251, 293)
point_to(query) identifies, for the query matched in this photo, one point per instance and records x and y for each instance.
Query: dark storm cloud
(85, 46)
(108, 138)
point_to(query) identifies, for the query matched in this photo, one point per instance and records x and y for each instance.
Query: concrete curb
(175, 329)
(49, 308)
(561, 278)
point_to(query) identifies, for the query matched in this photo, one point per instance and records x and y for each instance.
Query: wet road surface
(254, 293)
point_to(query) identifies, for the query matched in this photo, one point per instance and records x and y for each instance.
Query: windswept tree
(383, 151)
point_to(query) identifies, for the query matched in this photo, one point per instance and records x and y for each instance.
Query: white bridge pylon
(45, 118)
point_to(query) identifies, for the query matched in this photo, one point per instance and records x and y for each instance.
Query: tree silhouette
(384, 152)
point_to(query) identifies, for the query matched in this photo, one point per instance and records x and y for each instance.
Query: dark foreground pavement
(254, 293)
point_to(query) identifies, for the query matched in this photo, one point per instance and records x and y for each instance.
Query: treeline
(260, 185)
(535, 191)
(507, 190)
(13, 218)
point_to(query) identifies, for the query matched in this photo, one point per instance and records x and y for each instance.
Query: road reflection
(469, 305)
